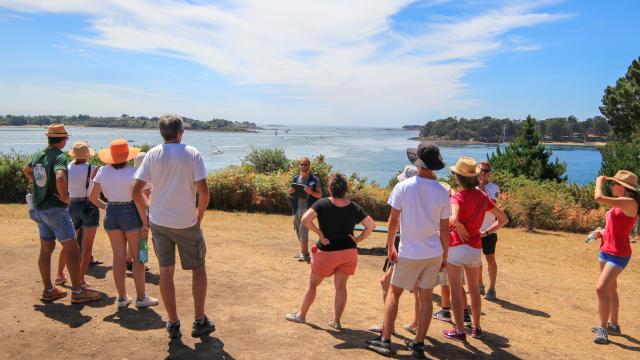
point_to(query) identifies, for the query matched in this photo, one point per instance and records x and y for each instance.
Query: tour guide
(299, 205)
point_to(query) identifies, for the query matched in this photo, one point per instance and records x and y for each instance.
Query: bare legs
(606, 289)
(88, 236)
(119, 242)
(340, 282)
(199, 290)
(168, 292)
(425, 308)
(390, 311)
(310, 294)
(44, 262)
(457, 294)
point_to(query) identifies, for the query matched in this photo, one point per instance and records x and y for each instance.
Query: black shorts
(387, 264)
(489, 244)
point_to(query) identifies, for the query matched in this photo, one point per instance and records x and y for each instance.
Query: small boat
(131, 141)
(215, 150)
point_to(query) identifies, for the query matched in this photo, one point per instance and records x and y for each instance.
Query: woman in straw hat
(84, 214)
(468, 207)
(615, 248)
(122, 219)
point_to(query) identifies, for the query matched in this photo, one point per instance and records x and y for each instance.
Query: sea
(375, 153)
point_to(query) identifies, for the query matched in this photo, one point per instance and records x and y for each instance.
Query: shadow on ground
(70, 314)
(98, 271)
(134, 319)
(149, 277)
(624, 346)
(208, 348)
(505, 304)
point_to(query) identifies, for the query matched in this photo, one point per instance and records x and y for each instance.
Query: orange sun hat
(118, 152)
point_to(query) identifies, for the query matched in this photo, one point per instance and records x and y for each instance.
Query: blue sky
(307, 62)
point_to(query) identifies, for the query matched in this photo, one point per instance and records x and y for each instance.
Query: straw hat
(56, 130)
(466, 166)
(445, 185)
(626, 179)
(81, 150)
(118, 152)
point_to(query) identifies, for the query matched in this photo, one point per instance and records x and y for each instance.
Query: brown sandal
(55, 294)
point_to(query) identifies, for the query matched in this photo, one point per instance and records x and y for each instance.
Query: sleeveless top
(615, 237)
(77, 175)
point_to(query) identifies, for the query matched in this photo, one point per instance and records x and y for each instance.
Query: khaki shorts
(190, 242)
(409, 272)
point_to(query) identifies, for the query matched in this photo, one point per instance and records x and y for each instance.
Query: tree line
(494, 130)
(124, 121)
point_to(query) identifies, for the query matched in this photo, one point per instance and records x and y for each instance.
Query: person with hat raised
(420, 208)
(615, 248)
(123, 218)
(84, 214)
(468, 207)
(47, 171)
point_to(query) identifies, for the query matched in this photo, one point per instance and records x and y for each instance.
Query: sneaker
(146, 302)
(377, 328)
(491, 295)
(378, 345)
(410, 328)
(417, 349)
(454, 334)
(85, 295)
(123, 302)
(202, 328)
(476, 333)
(304, 257)
(174, 330)
(52, 295)
(601, 336)
(443, 315)
(482, 289)
(467, 319)
(612, 329)
(296, 317)
(334, 324)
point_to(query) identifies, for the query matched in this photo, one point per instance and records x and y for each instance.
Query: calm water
(377, 154)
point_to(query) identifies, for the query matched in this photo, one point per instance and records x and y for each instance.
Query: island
(126, 121)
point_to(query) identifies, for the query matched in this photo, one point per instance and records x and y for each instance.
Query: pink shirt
(615, 237)
(473, 205)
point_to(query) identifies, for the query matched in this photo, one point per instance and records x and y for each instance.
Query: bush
(267, 160)
(13, 184)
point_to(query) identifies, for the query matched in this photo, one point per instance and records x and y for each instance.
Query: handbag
(89, 208)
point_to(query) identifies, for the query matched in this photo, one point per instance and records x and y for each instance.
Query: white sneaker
(146, 302)
(123, 303)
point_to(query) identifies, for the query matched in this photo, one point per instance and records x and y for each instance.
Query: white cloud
(341, 61)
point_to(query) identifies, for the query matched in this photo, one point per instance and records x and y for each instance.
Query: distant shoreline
(129, 128)
(469, 142)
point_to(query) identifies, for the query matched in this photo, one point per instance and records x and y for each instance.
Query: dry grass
(546, 289)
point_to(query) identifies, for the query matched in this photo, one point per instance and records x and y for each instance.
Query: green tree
(525, 156)
(619, 155)
(621, 103)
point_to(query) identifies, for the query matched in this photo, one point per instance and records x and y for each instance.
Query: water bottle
(143, 253)
(592, 235)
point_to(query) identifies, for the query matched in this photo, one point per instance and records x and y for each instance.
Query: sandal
(334, 324)
(61, 280)
(95, 261)
(410, 328)
(85, 284)
(54, 294)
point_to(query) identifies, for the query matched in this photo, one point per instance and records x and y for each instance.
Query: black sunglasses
(485, 171)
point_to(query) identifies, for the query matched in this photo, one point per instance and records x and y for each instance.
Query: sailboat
(215, 150)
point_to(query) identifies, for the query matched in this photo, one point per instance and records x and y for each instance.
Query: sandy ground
(545, 309)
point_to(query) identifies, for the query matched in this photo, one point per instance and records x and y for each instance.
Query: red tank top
(615, 237)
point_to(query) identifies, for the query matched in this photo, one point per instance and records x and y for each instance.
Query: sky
(383, 63)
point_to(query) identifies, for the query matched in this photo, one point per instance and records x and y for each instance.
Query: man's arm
(203, 197)
(393, 226)
(444, 239)
(141, 205)
(62, 186)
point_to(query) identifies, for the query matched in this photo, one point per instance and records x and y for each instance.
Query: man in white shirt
(489, 240)
(177, 173)
(420, 207)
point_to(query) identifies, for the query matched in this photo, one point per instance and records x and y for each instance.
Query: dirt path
(545, 309)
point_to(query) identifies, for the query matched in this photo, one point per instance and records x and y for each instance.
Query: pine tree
(621, 104)
(525, 156)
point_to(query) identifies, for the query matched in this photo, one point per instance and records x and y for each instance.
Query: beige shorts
(407, 273)
(190, 242)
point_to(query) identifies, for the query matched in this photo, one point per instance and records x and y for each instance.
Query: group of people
(436, 236)
(158, 194)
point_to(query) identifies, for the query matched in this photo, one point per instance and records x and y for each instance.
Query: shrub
(13, 184)
(267, 160)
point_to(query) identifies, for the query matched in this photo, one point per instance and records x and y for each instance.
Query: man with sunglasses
(300, 204)
(488, 240)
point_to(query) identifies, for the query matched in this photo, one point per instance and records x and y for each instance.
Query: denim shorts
(123, 217)
(54, 223)
(618, 261)
(80, 219)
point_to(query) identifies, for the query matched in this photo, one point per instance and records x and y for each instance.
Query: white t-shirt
(173, 170)
(492, 190)
(423, 203)
(77, 176)
(115, 183)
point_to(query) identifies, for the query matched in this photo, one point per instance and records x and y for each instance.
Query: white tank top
(77, 175)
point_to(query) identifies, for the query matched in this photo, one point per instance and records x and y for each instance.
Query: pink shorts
(327, 263)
